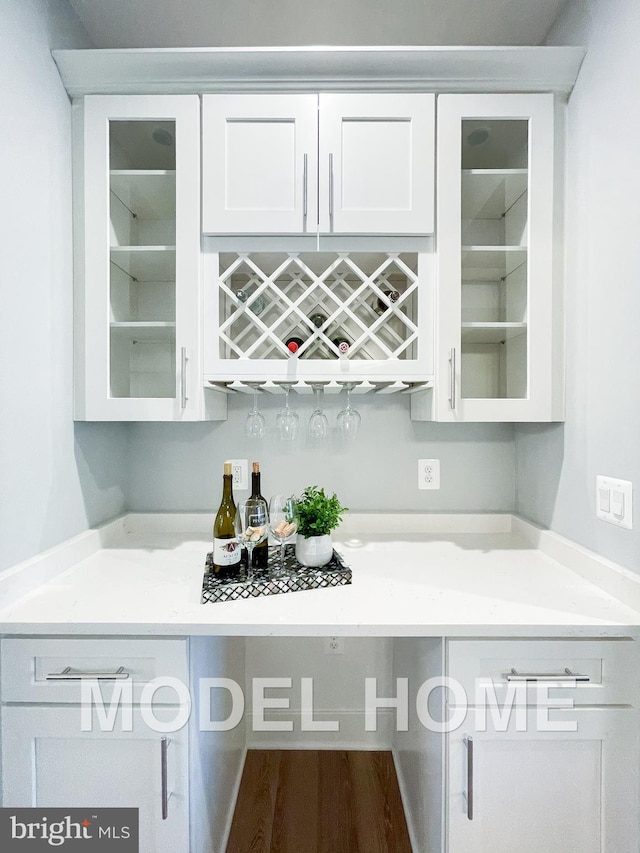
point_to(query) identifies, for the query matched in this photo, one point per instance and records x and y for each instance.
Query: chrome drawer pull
(452, 379)
(184, 358)
(164, 787)
(468, 741)
(69, 674)
(567, 675)
(331, 192)
(305, 189)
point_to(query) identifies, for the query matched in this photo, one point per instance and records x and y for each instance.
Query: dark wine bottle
(342, 344)
(392, 296)
(261, 550)
(318, 319)
(226, 551)
(293, 344)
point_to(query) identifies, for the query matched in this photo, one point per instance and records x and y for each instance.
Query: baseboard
(405, 799)
(351, 734)
(233, 801)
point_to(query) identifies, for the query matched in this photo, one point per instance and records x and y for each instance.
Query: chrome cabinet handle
(184, 358)
(164, 745)
(567, 675)
(452, 378)
(331, 191)
(305, 189)
(69, 674)
(468, 742)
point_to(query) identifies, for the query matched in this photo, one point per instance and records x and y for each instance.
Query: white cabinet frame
(94, 397)
(537, 403)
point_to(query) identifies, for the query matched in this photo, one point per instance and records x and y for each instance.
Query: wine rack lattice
(368, 300)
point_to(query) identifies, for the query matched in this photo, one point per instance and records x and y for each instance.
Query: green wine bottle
(226, 551)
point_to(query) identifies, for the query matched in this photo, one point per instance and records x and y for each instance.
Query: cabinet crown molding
(301, 69)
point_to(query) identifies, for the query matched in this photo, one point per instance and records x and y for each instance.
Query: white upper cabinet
(376, 172)
(260, 162)
(496, 311)
(338, 164)
(137, 245)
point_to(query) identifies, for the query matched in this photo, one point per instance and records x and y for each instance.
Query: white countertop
(142, 576)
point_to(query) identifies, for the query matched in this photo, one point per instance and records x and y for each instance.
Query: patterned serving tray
(294, 579)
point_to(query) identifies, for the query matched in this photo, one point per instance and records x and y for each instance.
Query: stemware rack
(329, 386)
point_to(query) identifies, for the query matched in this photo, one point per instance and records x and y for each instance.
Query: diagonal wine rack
(377, 304)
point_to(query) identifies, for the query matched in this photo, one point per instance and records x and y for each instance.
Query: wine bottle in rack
(255, 305)
(342, 345)
(318, 319)
(392, 296)
(261, 550)
(293, 344)
(226, 550)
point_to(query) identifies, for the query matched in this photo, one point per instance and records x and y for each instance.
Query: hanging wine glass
(349, 419)
(251, 524)
(287, 421)
(318, 423)
(282, 524)
(255, 427)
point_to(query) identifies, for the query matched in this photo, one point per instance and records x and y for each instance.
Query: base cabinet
(539, 791)
(49, 762)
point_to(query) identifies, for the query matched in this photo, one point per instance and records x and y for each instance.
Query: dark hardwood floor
(319, 801)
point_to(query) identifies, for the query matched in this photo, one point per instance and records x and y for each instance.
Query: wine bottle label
(226, 552)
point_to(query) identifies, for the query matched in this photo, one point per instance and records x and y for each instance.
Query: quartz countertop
(422, 576)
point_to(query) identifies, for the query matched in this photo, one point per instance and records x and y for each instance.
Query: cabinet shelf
(149, 193)
(490, 193)
(145, 331)
(491, 263)
(491, 333)
(146, 263)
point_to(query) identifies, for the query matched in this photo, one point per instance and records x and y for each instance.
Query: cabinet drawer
(51, 670)
(604, 669)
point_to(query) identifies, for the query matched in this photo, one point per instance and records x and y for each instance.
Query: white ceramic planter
(314, 551)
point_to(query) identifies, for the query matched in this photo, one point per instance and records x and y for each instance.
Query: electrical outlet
(428, 473)
(240, 471)
(333, 645)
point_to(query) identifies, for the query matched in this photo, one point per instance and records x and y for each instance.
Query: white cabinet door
(536, 792)
(371, 156)
(259, 164)
(137, 202)
(376, 163)
(48, 761)
(497, 312)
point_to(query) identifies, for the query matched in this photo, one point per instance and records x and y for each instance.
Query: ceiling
(249, 23)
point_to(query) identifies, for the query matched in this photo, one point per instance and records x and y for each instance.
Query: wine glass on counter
(287, 421)
(349, 418)
(251, 524)
(318, 423)
(255, 427)
(283, 524)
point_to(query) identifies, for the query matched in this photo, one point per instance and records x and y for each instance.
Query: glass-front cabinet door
(494, 254)
(137, 264)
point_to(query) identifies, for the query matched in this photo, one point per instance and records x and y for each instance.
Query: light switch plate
(614, 501)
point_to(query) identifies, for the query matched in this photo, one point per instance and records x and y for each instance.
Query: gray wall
(55, 481)
(179, 467)
(557, 465)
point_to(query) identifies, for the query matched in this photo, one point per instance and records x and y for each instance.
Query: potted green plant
(317, 515)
